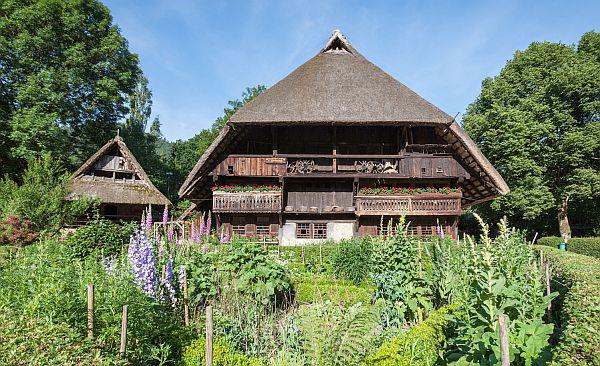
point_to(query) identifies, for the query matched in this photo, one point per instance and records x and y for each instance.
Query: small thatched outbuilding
(114, 176)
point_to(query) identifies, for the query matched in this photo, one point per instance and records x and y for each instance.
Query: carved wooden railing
(246, 202)
(418, 204)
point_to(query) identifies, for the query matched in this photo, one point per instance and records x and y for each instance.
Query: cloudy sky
(198, 55)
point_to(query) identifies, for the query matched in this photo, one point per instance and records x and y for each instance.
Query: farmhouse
(114, 176)
(338, 149)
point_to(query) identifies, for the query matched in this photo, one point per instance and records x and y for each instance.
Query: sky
(198, 55)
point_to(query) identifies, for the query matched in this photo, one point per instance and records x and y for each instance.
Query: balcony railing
(424, 204)
(246, 202)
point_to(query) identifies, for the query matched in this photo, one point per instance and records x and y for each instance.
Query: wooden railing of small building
(246, 202)
(413, 205)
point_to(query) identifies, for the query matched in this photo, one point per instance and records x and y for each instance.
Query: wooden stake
(547, 270)
(504, 349)
(186, 309)
(209, 336)
(90, 310)
(124, 332)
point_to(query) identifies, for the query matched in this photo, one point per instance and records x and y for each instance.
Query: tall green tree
(538, 122)
(65, 74)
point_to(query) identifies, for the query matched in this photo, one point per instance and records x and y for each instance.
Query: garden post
(123, 332)
(209, 335)
(90, 310)
(547, 270)
(504, 353)
(186, 309)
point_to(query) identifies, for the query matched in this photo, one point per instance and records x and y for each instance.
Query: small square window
(303, 231)
(239, 230)
(230, 169)
(263, 230)
(320, 231)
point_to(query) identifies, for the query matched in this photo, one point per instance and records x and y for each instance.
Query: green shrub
(577, 278)
(16, 232)
(99, 234)
(419, 346)
(351, 259)
(223, 355)
(585, 246)
(40, 197)
(314, 289)
(315, 258)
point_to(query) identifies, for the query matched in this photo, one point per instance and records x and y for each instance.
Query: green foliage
(351, 259)
(247, 269)
(577, 279)
(419, 345)
(65, 73)
(335, 335)
(16, 232)
(491, 277)
(585, 246)
(308, 258)
(40, 198)
(223, 355)
(399, 275)
(537, 122)
(44, 282)
(319, 289)
(100, 235)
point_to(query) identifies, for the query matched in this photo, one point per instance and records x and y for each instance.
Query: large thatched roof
(138, 190)
(339, 86)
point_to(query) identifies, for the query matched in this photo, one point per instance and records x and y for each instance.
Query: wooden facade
(320, 136)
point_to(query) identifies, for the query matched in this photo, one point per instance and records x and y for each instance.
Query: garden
(395, 300)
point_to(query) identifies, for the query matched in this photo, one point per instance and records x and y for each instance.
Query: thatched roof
(139, 190)
(339, 86)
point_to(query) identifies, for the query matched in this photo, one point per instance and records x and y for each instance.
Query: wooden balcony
(424, 204)
(246, 202)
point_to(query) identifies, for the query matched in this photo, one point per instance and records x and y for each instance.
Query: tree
(538, 122)
(65, 73)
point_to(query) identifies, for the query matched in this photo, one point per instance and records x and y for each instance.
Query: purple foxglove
(165, 217)
(208, 224)
(177, 243)
(194, 234)
(202, 226)
(204, 248)
(170, 234)
(442, 233)
(149, 221)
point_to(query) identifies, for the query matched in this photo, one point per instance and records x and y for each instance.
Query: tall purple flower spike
(194, 234)
(208, 224)
(165, 217)
(427, 251)
(204, 248)
(202, 226)
(170, 233)
(168, 281)
(442, 233)
(149, 221)
(142, 262)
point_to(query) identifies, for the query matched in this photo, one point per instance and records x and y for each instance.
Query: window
(386, 230)
(319, 231)
(263, 230)
(239, 230)
(426, 231)
(412, 231)
(305, 230)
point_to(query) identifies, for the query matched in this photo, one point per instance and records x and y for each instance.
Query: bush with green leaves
(489, 277)
(577, 332)
(40, 196)
(351, 259)
(100, 235)
(314, 258)
(317, 289)
(585, 246)
(420, 345)
(224, 354)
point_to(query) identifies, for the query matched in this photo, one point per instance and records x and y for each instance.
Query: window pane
(320, 231)
(303, 231)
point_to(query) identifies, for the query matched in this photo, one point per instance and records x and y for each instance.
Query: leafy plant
(351, 259)
(16, 231)
(223, 355)
(100, 235)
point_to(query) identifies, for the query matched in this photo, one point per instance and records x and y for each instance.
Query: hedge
(223, 355)
(312, 289)
(577, 324)
(419, 346)
(586, 246)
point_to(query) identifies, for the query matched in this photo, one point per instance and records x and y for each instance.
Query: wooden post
(547, 270)
(90, 310)
(209, 336)
(186, 308)
(504, 352)
(124, 332)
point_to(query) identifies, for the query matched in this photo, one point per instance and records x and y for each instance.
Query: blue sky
(198, 55)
